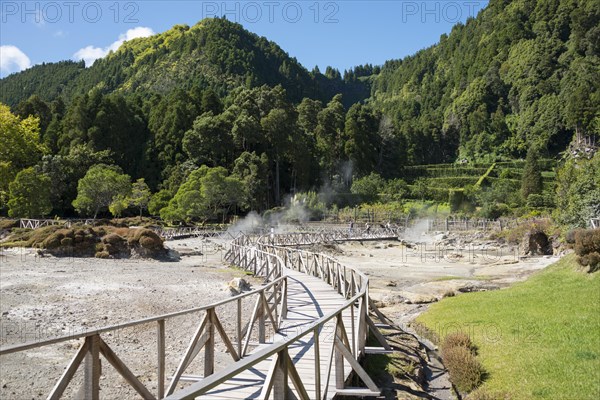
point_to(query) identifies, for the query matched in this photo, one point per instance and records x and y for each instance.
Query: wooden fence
(39, 223)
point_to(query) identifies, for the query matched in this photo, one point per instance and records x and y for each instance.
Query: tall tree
(209, 141)
(329, 134)
(362, 138)
(279, 126)
(140, 195)
(531, 181)
(20, 146)
(99, 188)
(29, 195)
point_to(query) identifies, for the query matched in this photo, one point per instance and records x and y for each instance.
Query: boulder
(237, 286)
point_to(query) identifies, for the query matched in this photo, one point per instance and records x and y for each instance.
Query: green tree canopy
(208, 193)
(20, 147)
(531, 182)
(100, 186)
(368, 187)
(140, 195)
(29, 195)
(578, 192)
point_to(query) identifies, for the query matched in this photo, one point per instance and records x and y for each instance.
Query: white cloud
(91, 53)
(12, 59)
(60, 34)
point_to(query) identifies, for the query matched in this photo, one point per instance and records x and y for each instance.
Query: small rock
(237, 286)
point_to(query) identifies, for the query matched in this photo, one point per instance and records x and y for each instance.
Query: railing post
(209, 347)
(280, 378)
(317, 353)
(339, 362)
(91, 383)
(362, 325)
(239, 327)
(353, 329)
(161, 359)
(261, 321)
(284, 297)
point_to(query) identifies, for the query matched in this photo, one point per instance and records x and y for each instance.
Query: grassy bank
(538, 339)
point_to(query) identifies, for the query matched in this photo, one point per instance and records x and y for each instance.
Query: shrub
(102, 254)
(460, 339)
(466, 373)
(587, 247)
(535, 200)
(481, 394)
(112, 239)
(52, 241)
(456, 197)
(149, 242)
(570, 237)
(9, 224)
(67, 241)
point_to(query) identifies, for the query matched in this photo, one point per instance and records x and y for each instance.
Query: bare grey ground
(46, 297)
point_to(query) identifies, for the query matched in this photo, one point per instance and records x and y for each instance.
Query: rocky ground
(404, 275)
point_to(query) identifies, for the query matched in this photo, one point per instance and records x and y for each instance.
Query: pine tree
(531, 181)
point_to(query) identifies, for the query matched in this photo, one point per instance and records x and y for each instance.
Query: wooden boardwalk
(309, 298)
(317, 308)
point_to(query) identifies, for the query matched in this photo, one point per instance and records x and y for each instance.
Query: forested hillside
(215, 120)
(523, 73)
(215, 53)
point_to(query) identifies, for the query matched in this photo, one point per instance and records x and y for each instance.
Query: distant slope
(214, 53)
(522, 73)
(45, 80)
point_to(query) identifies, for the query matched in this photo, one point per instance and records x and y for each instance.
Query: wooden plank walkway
(309, 298)
(317, 307)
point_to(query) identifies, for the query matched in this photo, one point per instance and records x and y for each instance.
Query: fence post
(161, 358)
(209, 347)
(91, 383)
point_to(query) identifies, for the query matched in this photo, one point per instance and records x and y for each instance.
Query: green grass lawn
(537, 339)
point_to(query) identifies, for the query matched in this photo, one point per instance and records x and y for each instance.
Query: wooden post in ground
(91, 382)
(209, 347)
(161, 359)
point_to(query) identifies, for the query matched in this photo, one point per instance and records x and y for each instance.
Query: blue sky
(341, 33)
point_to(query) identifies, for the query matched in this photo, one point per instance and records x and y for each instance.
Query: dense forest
(215, 120)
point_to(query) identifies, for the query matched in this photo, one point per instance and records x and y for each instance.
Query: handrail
(30, 345)
(280, 348)
(268, 256)
(219, 377)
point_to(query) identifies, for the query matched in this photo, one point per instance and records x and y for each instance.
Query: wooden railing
(38, 223)
(350, 283)
(270, 301)
(268, 256)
